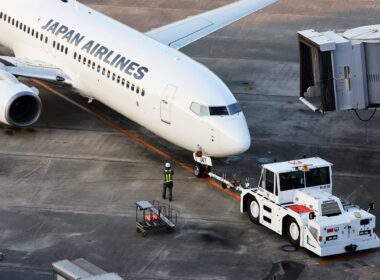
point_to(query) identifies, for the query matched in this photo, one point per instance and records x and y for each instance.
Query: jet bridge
(340, 70)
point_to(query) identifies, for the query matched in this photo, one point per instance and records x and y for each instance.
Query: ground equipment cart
(152, 216)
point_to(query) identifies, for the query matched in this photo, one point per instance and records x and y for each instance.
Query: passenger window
(143, 92)
(99, 68)
(138, 90)
(123, 82)
(133, 87)
(84, 60)
(1, 15)
(66, 50)
(104, 71)
(113, 77)
(79, 58)
(118, 79)
(108, 74)
(75, 55)
(93, 66)
(128, 84)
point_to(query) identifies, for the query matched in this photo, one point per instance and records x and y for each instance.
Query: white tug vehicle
(295, 199)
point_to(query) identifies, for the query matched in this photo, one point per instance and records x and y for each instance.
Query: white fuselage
(144, 80)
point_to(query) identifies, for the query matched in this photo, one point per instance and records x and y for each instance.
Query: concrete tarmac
(69, 183)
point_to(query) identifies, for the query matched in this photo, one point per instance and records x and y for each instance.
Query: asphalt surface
(69, 183)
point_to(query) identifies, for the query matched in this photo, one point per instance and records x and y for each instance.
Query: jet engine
(20, 105)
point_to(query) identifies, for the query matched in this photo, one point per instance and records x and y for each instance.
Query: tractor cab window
(292, 180)
(267, 181)
(318, 177)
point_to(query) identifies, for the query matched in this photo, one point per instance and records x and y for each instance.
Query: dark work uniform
(168, 184)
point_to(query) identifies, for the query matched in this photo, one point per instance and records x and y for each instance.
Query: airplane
(142, 76)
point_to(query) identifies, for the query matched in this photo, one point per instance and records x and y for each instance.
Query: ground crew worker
(168, 181)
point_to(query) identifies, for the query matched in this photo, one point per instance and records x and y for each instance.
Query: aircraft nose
(235, 136)
(239, 139)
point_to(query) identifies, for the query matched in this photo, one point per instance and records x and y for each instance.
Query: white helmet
(167, 165)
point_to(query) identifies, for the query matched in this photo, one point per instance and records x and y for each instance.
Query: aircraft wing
(184, 32)
(33, 69)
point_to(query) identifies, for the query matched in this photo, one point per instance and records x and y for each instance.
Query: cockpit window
(203, 111)
(199, 109)
(219, 111)
(234, 109)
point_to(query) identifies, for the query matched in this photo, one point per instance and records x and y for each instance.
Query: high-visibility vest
(168, 176)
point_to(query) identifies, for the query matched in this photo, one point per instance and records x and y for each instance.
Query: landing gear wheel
(293, 232)
(253, 208)
(199, 170)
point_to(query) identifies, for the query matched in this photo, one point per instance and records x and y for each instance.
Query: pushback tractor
(295, 199)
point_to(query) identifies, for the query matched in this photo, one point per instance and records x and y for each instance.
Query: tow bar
(203, 167)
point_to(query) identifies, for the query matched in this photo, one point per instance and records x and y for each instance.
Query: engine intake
(24, 110)
(20, 105)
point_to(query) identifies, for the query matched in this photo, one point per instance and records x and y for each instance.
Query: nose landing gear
(202, 169)
(203, 164)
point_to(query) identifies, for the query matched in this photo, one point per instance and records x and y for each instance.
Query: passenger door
(166, 103)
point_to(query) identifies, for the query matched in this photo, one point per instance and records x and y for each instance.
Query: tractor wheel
(253, 210)
(293, 232)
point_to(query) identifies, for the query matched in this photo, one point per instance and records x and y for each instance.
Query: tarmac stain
(286, 270)
(212, 238)
(135, 138)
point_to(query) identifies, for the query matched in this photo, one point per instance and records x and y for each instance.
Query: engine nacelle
(20, 105)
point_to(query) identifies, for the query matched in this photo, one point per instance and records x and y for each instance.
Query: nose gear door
(166, 103)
